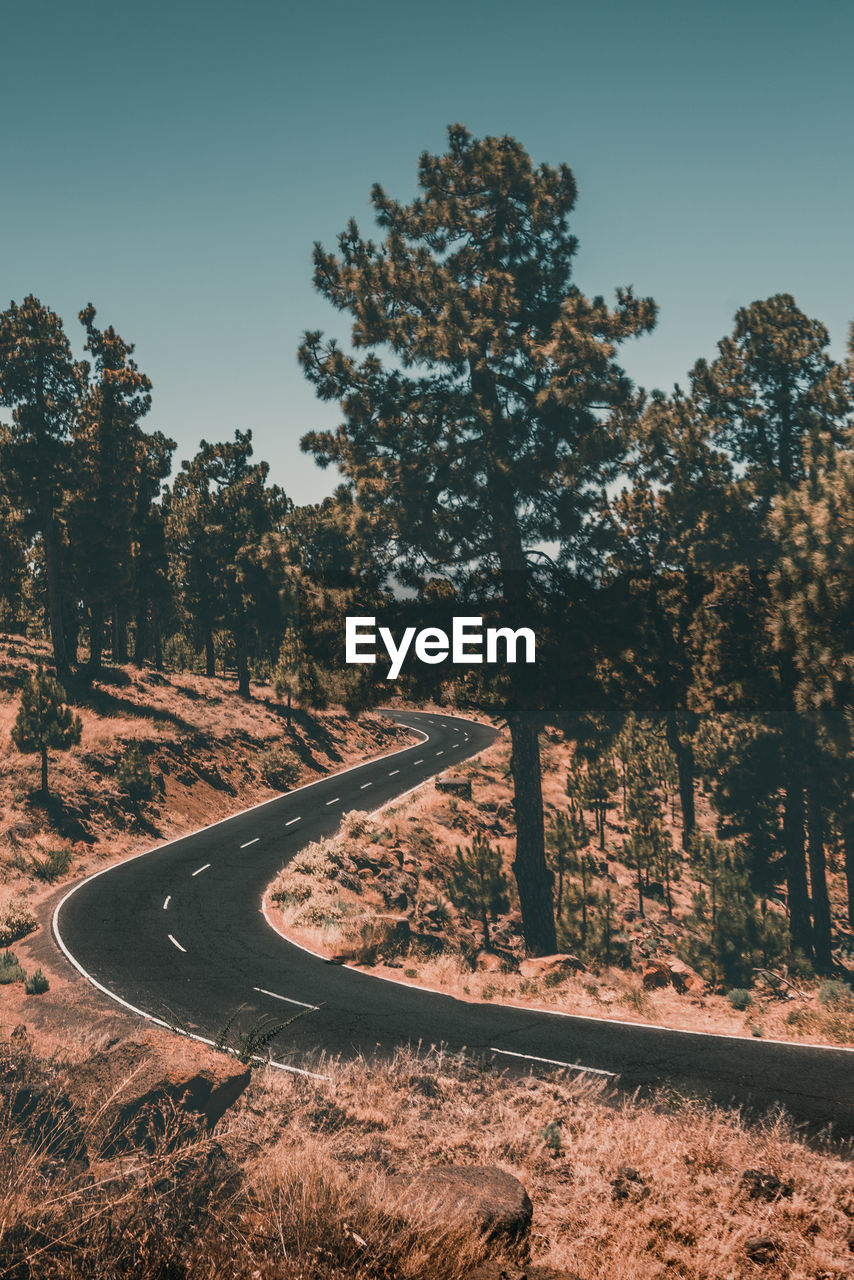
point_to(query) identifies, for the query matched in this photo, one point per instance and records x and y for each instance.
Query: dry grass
(294, 1183)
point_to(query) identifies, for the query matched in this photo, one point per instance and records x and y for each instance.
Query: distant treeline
(686, 559)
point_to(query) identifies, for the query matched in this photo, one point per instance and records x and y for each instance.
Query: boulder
(494, 1202)
(761, 1249)
(454, 785)
(539, 966)
(139, 1091)
(655, 974)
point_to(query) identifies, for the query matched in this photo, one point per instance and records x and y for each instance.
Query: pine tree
(478, 885)
(565, 839)
(41, 383)
(44, 721)
(108, 455)
(484, 437)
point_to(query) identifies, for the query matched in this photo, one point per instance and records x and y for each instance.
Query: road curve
(177, 935)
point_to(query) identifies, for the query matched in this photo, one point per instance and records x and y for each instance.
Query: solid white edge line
(150, 1017)
(287, 999)
(555, 1062)
(167, 901)
(248, 842)
(206, 867)
(176, 943)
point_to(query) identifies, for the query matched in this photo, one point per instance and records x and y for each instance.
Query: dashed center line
(419, 761)
(393, 772)
(291, 822)
(168, 900)
(176, 943)
(206, 867)
(364, 785)
(440, 753)
(248, 842)
(287, 999)
(333, 801)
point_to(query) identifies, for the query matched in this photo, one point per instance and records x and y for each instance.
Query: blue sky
(175, 166)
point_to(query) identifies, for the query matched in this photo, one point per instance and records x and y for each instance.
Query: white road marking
(364, 785)
(168, 900)
(248, 842)
(440, 753)
(333, 801)
(419, 761)
(292, 821)
(393, 772)
(554, 1062)
(206, 867)
(176, 943)
(302, 1004)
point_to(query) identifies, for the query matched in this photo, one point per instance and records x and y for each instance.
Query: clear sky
(174, 163)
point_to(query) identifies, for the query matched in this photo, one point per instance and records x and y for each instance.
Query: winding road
(177, 936)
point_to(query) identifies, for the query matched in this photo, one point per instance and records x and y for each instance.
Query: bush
(280, 768)
(48, 869)
(10, 969)
(16, 919)
(739, 998)
(179, 655)
(134, 776)
(37, 984)
(836, 994)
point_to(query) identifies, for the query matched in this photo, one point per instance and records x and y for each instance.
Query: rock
(138, 1090)
(488, 962)
(493, 1201)
(454, 785)
(655, 974)
(761, 1249)
(348, 881)
(761, 1184)
(628, 1185)
(539, 966)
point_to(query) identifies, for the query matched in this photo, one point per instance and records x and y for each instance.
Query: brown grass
(294, 1183)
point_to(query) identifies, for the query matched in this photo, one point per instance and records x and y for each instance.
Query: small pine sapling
(44, 721)
(478, 885)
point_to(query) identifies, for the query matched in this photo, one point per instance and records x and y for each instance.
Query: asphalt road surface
(178, 935)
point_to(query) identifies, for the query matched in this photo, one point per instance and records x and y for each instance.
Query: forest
(686, 558)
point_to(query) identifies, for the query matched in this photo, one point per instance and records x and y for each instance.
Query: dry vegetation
(293, 1182)
(376, 896)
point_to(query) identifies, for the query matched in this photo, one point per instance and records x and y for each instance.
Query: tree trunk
(210, 662)
(683, 750)
(818, 875)
(848, 843)
(96, 637)
(158, 647)
(54, 596)
(140, 646)
(241, 650)
(44, 772)
(533, 879)
(796, 871)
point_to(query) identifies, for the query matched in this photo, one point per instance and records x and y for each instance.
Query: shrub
(16, 919)
(134, 776)
(739, 998)
(280, 767)
(37, 984)
(10, 969)
(836, 994)
(48, 869)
